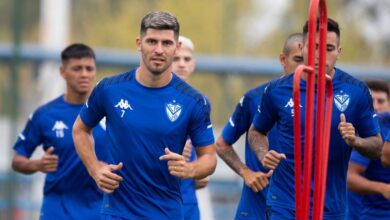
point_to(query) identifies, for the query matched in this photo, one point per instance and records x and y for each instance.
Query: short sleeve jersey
(69, 191)
(352, 98)
(142, 122)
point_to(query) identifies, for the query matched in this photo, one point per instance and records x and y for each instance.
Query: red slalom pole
(321, 147)
(309, 117)
(297, 139)
(323, 119)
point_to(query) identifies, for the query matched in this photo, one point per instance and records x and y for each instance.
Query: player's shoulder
(284, 81)
(188, 91)
(345, 78)
(256, 91)
(48, 107)
(116, 79)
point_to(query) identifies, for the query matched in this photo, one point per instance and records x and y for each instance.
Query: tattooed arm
(259, 145)
(254, 180)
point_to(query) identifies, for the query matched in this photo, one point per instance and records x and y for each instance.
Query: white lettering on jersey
(290, 104)
(59, 127)
(124, 105)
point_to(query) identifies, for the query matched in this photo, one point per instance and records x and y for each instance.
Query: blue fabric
(191, 211)
(141, 123)
(251, 205)
(354, 206)
(188, 193)
(69, 192)
(188, 186)
(374, 206)
(352, 98)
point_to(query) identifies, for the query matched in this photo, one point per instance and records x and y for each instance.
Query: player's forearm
(204, 165)
(229, 155)
(24, 165)
(385, 157)
(370, 147)
(258, 143)
(362, 185)
(84, 145)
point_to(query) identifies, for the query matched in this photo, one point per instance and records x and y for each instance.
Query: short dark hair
(333, 26)
(378, 86)
(161, 21)
(77, 51)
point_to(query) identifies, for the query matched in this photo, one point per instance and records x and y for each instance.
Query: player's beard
(157, 69)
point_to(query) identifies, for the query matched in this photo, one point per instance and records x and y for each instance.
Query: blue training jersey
(69, 192)
(352, 98)
(252, 205)
(374, 206)
(142, 122)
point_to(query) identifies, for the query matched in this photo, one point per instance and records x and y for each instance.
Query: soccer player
(183, 66)
(253, 197)
(69, 193)
(150, 113)
(380, 93)
(367, 179)
(352, 110)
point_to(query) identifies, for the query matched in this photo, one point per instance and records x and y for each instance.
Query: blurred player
(69, 193)
(183, 66)
(368, 179)
(253, 198)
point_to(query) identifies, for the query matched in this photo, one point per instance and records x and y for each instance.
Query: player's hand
(49, 161)
(199, 184)
(256, 180)
(177, 164)
(347, 131)
(272, 159)
(106, 178)
(187, 150)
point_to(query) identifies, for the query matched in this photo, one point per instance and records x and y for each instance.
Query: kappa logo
(59, 128)
(342, 101)
(124, 105)
(173, 110)
(290, 104)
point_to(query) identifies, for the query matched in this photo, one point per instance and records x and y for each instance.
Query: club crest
(173, 111)
(341, 101)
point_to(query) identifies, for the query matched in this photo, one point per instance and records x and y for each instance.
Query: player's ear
(282, 59)
(138, 42)
(62, 71)
(338, 52)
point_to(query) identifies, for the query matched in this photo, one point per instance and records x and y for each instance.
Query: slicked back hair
(160, 20)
